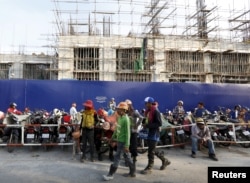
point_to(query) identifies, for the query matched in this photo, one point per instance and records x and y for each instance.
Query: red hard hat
(88, 103)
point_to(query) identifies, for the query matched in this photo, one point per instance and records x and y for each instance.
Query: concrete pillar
(66, 64)
(207, 68)
(160, 61)
(108, 64)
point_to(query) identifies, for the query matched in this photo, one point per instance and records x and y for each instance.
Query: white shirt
(73, 113)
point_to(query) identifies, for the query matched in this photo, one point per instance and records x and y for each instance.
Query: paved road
(57, 166)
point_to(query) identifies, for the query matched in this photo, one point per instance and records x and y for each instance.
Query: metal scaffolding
(149, 40)
(156, 20)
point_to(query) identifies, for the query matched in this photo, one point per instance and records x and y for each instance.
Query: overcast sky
(28, 23)
(24, 22)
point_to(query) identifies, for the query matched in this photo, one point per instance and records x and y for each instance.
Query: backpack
(88, 120)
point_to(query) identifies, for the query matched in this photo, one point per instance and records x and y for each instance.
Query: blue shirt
(200, 112)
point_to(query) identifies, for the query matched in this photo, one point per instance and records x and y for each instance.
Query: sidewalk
(57, 166)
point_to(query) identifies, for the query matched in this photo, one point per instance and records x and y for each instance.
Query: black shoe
(213, 157)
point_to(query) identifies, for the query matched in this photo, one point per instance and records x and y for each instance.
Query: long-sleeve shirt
(201, 134)
(135, 120)
(154, 123)
(122, 132)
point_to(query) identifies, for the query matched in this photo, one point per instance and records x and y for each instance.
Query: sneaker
(193, 155)
(213, 157)
(108, 177)
(166, 163)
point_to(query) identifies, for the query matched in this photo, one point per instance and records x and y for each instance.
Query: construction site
(143, 41)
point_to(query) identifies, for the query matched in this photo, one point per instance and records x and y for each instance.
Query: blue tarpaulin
(50, 94)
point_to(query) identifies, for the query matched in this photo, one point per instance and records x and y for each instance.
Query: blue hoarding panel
(50, 94)
(11, 91)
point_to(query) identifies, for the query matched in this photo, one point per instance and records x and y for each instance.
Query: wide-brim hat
(200, 121)
(88, 103)
(122, 105)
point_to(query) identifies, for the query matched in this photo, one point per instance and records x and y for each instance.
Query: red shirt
(14, 111)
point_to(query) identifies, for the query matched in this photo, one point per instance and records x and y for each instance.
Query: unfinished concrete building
(157, 40)
(22, 66)
(143, 41)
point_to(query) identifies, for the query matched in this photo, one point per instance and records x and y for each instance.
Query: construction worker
(121, 137)
(153, 123)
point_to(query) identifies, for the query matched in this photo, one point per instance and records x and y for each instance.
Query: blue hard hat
(149, 100)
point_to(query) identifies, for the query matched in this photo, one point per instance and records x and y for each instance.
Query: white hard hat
(129, 102)
(57, 112)
(180, 101)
